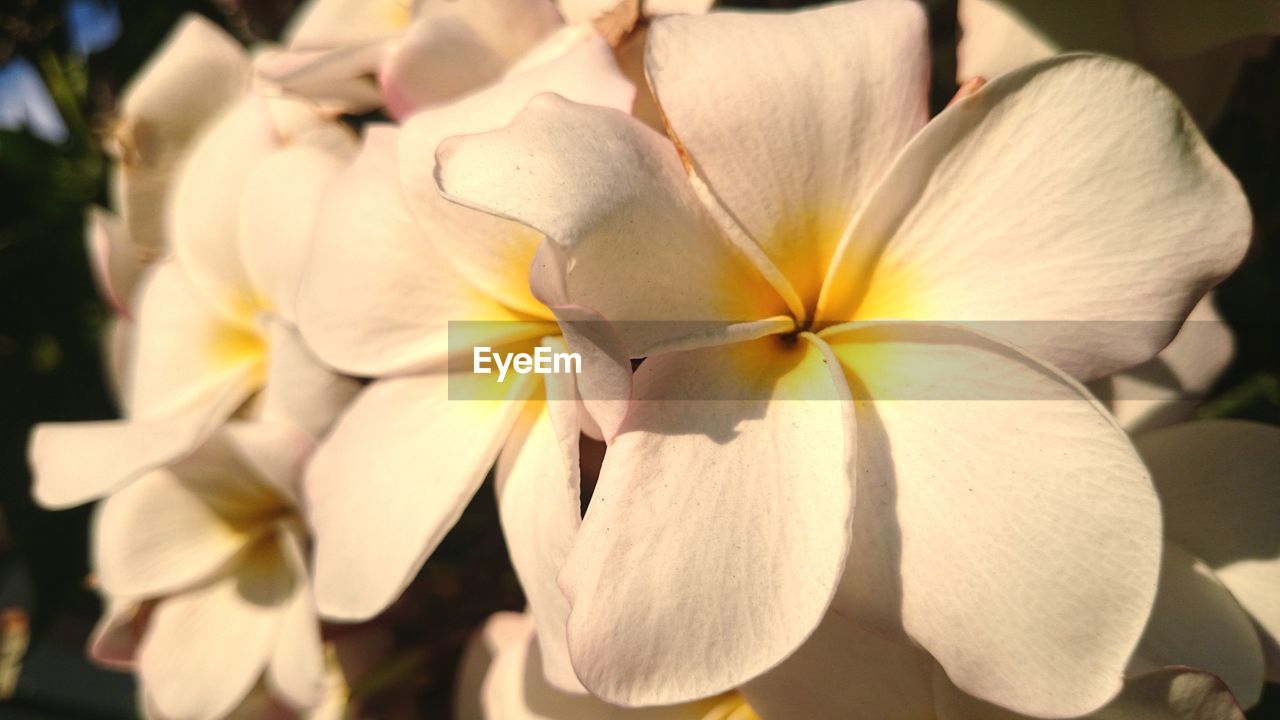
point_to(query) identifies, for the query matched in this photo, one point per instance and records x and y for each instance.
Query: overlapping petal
(1197, 623)
(1217, 484)
(453, 48)
(394, 476)
(540, 508)
(233, 621)
(816, 120)
(1070, 207)
(1004, 521)
(491, 252)
(196, 73)
(717, 532)
(377, 296)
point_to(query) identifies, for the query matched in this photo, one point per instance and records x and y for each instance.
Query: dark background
(51, 366)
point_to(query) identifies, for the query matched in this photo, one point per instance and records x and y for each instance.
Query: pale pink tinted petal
(491, 252)
(792, 141)
(1004, 520)
(1217, 483)
(116, 263)
(114, 641)
(382, 305)
(1086, 241)
(742, 451)
(331, 23)
(391, 480)
(340, 79)
(454, 48)
(841, 667)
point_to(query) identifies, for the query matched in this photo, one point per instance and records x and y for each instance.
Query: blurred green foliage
(51, 366)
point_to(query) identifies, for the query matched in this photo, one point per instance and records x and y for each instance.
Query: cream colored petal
(494, 253)
(792, 141)
(393, 477)
(279, 210)
(1167, 388)
(1003, 519)
(453, 48)
(744, 453)
(1217, 483)
(1071, 208)
(205, 649)
(191, 78)
(377, 296)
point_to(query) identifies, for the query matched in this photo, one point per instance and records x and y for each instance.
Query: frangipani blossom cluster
(884, 400)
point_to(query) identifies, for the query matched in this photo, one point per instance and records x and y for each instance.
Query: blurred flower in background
(92, 25)
(25, 103)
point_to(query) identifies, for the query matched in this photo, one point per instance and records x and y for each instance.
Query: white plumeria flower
(403, 462)
(1007, 526)
(204, 560)
(213, 325)
(1197, 48)
(501, 678)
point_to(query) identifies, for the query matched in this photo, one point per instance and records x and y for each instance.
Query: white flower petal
(1004, 520)
(842, 667)
(1197, 623)
(382, 305)
(196, 73)
(1217, 483)
(301, 390)
(205, 649)
(279, 207)
(1167, 388)
(332, 23)
(603, 187)
(296, 671)
(157, 536)
(493, 253)
(540, 507)
(203, 218)
(740, 452)
(793, 140)
(1168, 694)
(392, 478)
(1070, 207)
(515, 685)
(453, 48)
